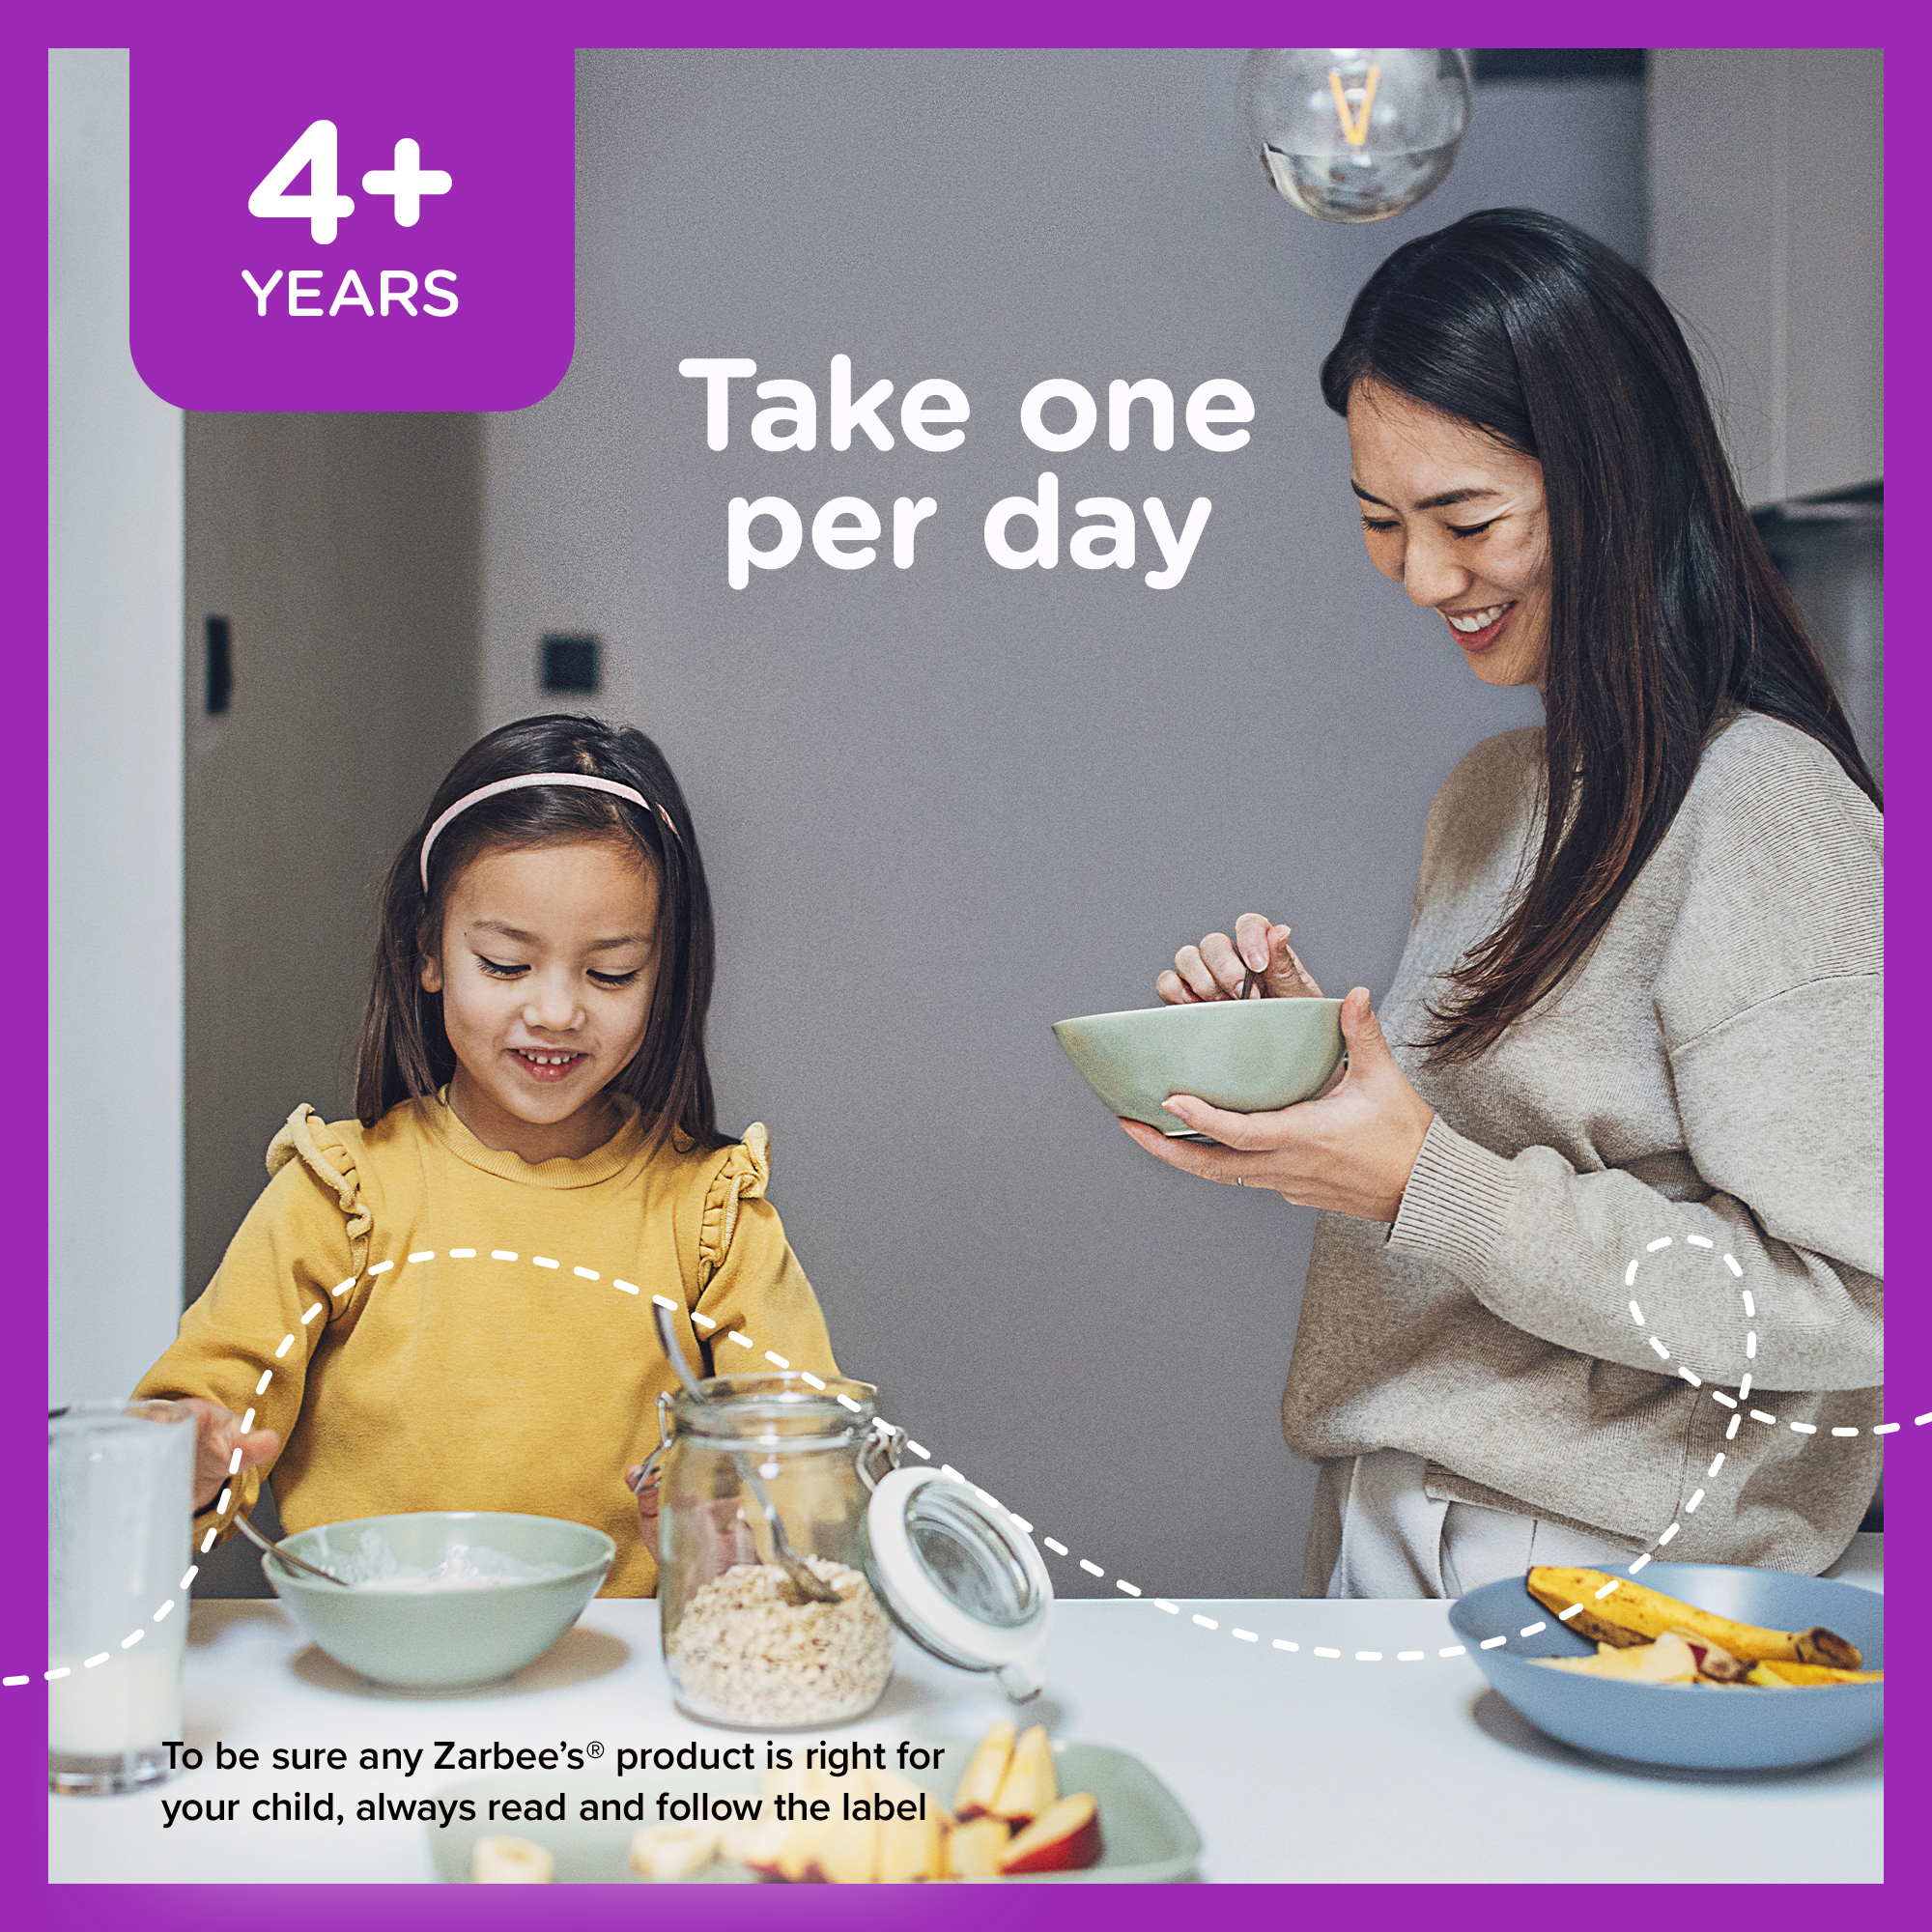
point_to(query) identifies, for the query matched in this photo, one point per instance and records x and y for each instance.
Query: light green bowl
(1247, 1056)
(433, 1640)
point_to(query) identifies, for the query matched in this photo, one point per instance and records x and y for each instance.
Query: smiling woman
(1638, 1021)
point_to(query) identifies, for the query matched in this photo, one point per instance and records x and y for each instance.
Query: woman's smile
(1478, 630)
(1458, 519)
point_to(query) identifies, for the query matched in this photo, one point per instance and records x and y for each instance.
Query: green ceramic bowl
(1247, 1056)
(433, 1640)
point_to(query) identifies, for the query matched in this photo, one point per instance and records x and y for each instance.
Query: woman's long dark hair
(1666, 618)
(404, 1053)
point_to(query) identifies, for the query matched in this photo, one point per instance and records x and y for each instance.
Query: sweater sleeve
(247, 1341)
(1770, 1005)
(756, 1308)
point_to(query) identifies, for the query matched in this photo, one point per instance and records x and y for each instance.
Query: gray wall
(944, 807)
(114, 849)
(343, 551)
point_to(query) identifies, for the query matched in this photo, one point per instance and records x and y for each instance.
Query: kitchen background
(941, 807)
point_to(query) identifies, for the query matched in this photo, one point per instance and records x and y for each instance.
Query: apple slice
(973, 1848)
(985, 1773)
(1030, 1785)
(1065, 1837)
(756, 1844)
(848, 1852)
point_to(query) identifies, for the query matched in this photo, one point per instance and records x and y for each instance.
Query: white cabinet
(1766, 236)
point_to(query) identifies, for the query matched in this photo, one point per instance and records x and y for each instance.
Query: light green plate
(1248, 1056)
(1146, 1837)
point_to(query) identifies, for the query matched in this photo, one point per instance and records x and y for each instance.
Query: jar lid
(959, 1577)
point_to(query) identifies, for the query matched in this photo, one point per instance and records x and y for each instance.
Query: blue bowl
(1688, 1725)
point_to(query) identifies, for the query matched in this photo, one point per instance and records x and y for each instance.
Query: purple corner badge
(377, 225)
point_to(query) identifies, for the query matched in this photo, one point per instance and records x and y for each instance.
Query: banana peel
(1628, 1614)
(1778, 1676)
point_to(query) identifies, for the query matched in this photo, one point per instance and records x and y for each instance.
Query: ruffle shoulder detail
(743, 1174)
(307, 1137)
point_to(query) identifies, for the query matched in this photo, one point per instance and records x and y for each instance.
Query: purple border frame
(36, 25)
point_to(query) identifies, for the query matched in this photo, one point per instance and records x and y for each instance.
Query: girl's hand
(647, 1504)
(724, 1538)
(217, 1435)
(1351, 1150)
(1219, 967)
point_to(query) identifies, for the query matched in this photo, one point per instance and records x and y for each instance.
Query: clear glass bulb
(1355, 133)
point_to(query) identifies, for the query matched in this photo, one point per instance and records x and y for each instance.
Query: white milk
(129, 1704)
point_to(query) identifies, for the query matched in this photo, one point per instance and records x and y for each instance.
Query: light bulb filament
(1354, 125)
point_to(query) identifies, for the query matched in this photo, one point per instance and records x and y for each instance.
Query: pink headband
(582, 779)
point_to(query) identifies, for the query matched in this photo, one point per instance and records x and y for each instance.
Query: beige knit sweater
(1665, 1178)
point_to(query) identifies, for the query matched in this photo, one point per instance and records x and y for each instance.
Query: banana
(1627, 1614)
(1780, 1676)
(509, 1862)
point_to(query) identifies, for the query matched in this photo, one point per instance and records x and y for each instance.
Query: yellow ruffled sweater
(429, 1324)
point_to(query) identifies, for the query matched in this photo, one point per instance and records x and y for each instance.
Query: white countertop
(1294, 1767)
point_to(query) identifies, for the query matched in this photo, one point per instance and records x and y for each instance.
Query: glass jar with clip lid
(771, 1484)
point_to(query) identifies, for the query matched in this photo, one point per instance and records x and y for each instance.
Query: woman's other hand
(218, 1436)
(1350, 1151)
(1219, 967)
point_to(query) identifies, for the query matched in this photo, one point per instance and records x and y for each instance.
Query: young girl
(445, 1303)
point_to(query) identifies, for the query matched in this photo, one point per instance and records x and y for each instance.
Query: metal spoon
(803, 1579)
(287, 1556)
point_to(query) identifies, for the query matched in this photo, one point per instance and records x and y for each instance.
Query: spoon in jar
(810, 1586)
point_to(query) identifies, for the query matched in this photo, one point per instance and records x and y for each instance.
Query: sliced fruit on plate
(973, 1848)
(1030, 1785)
(1780, 1676)
(986, 1771)
(1616, 1610)
(1668, 1660)
(848, 1852)
(674, 1851)
(510, 1861)
(1064, 1838)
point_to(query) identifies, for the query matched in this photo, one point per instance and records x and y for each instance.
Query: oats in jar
(748, 1651)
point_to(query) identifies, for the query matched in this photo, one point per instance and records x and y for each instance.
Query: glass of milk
(120, 1502)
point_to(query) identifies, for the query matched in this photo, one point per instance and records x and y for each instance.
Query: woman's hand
(1219, 967)
(218, 1436)
(1351, 1150)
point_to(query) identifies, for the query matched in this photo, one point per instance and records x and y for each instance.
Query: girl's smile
(547, 963)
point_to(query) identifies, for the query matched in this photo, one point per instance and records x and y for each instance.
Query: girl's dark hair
(404, 1053)
(1667, 616)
